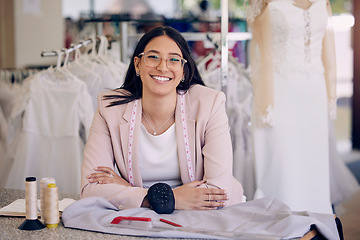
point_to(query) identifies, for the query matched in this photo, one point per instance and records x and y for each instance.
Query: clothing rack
(224, 36)
(18, 75)
(53, 53)
(126, 37)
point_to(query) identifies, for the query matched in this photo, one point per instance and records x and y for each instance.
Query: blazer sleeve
(218, 154)
(99, 152)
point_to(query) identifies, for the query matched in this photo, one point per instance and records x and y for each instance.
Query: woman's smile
(161, 78)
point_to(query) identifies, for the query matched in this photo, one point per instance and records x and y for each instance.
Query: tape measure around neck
(131, 139)
(185, 137)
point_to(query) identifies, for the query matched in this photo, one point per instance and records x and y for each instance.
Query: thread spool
(43, 184)
(51, 207)
(31, 198)
(31, 222)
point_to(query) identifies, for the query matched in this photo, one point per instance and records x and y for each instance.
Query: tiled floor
(350, 216)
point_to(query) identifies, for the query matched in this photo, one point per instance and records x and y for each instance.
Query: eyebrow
(154, 51)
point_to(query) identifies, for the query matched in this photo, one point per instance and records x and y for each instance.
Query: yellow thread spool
(51, 208)
(43, 185)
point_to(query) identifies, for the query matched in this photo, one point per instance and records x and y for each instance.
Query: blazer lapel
(180, 138)
(124, 132)
(124, 135)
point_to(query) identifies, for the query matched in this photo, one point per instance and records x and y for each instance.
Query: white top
(158, 158)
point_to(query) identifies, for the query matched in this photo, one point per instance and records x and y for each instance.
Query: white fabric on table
(266, 217)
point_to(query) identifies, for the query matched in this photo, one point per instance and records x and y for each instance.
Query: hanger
(212, 55)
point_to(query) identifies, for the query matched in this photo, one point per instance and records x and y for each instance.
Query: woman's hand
(190, 197)
(106, 175)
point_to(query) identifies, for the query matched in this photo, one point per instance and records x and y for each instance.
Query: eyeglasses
(173, 63)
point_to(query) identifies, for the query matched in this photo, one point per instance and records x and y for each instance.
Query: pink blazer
(209, 138)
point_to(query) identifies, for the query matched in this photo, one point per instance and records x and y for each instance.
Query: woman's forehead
(163, 45)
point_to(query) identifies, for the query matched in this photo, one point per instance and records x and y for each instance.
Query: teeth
(161, 78)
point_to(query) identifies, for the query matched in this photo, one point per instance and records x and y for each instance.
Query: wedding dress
(291, 116)
(44, 125)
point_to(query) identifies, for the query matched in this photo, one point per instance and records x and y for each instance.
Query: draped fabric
(265, 218)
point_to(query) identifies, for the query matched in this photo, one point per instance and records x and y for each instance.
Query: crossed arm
(190, 196)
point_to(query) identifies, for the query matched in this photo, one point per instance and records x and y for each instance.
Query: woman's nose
(162, 65)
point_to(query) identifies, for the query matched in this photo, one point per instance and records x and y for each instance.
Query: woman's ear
(137, 63)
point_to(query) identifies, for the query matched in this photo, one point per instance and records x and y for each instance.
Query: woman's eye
(174, 59)
(153, 57)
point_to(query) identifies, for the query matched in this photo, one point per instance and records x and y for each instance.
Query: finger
(206, 208)
(96, 177)
(99, 174)
(207, 197)
(215, 191)
(215, 197)
(106, 181)
(196, 183)
(101, 180)
(104, 176)
(218, 198)
(104, 169)
(212, 205)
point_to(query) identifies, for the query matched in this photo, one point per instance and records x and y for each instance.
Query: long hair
(133, 84)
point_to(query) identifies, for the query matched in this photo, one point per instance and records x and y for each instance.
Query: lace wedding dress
(292, 155)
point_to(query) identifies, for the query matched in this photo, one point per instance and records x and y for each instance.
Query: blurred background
(30, 28)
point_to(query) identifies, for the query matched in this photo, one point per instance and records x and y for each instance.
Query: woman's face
(160, 80)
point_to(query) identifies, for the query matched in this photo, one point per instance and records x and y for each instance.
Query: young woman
(162, 126)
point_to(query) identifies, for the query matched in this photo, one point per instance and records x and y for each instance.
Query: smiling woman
(160, 69)
(164, 131)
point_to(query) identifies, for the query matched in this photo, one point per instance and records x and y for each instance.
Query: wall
(35, 25)
(7, 58)
(37, 28)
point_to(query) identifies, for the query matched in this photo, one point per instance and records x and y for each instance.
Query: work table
(9, 225)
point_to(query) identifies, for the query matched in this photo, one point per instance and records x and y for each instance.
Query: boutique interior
(94, 41)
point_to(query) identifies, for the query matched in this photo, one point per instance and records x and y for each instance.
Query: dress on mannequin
(294, 94)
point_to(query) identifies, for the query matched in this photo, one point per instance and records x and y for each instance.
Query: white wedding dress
(292, 157)
(44, 127)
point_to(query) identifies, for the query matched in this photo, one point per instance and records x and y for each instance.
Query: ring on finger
(209, 197)
(111, 175)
